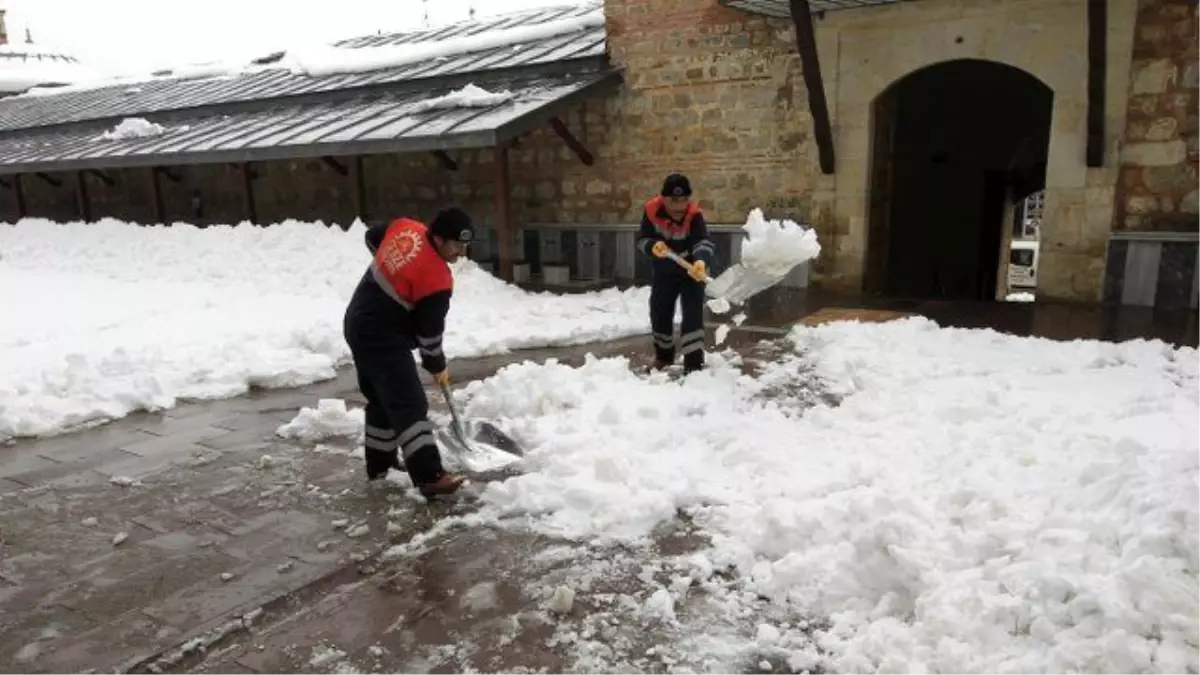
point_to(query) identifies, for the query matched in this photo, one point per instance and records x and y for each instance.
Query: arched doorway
(955, 146)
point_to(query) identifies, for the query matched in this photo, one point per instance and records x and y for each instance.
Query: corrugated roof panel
(142, 98)
(382, 123)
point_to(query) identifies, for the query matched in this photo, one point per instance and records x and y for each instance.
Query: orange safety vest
(667, 228)
(407, 267)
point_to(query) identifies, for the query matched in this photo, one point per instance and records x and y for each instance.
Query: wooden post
(81, 197)
(19, 191)
(503, 232)
(359, 189)
(248, 191)
(160, 212)
(1097, 18)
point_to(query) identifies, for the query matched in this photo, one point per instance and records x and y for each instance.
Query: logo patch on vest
(401, 250)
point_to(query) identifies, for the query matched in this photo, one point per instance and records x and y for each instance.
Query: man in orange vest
(672, 222)
(400, 305)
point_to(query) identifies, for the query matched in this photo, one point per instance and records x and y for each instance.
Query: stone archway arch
(950, 144)
(868, 52)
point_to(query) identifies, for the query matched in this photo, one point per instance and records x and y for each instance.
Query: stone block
(1176, 179)
(1162, 129)
(1190, 203)
(1155, 154)
(1153, 77)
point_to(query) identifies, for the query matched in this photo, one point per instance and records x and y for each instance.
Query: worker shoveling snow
(772, 249)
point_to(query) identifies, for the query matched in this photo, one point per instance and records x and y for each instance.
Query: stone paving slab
(220, 520)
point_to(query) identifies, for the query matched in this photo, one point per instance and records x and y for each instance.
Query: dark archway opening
(955, 146)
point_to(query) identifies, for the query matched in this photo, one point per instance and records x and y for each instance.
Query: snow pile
(133, 127)
(110, 318)
(319, 60)
(774, 246)
(470, 96)
(1019, 297)
(976, 502)
(330, 419)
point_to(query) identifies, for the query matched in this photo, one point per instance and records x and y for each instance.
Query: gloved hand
(442, 378)
(660, 249)
(698, 270)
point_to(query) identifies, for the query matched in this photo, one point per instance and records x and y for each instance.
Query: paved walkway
(194, 539)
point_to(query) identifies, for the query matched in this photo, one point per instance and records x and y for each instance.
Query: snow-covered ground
(972, 502)
(100, 320)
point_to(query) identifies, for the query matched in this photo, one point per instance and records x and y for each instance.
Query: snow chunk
(1020, 297)
(318, 60)
(331, 418)
(721, 333)
(119, 538)
(776, 246)
(562, 600)
(470, 96)
(133, 127)
(719, 305)
(660, 606)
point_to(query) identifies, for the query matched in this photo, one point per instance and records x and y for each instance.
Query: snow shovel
(736, 284)
(485, 433)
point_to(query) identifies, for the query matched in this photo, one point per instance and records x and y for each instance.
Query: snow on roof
(24, 66)
(372, 52)
(327, 60)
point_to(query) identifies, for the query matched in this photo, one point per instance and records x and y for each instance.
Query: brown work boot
(447, 484)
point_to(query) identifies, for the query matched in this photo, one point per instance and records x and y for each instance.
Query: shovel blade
(739, 283)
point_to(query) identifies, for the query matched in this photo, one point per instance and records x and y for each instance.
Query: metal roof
(782, 8)
(369, 123)
(174, 93)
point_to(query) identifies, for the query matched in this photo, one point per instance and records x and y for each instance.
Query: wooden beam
(166, 171)
(359, 191)
(573, 143)
(49, 179)
(810, 66)
(160, 211)
(445, 160)
(81, 197)
(338, 168)
(1097, 19)
(503, 231)
(248, 191)
(104, 178)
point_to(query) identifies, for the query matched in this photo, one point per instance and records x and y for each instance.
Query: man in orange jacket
(400, 305)
(672, 222)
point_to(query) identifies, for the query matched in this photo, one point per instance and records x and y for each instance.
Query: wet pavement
(195, 540)
(1056, 321)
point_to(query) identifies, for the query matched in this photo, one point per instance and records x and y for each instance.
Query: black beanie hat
(676, 185)
(452, 223)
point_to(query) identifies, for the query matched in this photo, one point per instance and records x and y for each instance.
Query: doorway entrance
(956, 146)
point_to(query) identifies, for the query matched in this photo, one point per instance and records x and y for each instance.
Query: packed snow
(1020, 297)
(972, 501)
(777, 246)
(133, 127)
(470, 96)
(319, 60)
(113, 317)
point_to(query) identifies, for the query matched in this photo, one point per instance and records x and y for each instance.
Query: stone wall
(1157, 191)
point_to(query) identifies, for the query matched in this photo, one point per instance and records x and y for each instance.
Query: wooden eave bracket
(810, 66)
(445, 160)
(573, 143)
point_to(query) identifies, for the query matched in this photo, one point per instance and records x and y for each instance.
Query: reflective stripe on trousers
(691, 342)
(415, 437)
(384, 440)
